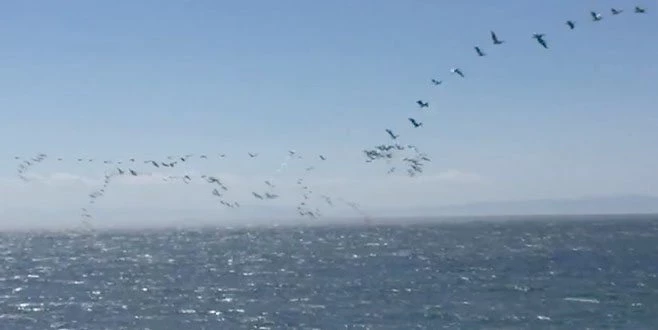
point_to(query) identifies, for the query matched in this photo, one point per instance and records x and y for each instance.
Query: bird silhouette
(391, 134)
(422, 104)
(495, 39)
(571, 24)
(479, 51)
(639, 10)
(436, 82)
(540, 39)
(595, 16)
(457, 71)
(415, 123)
(616, 11)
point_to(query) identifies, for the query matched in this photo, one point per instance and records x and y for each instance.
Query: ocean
(534, 273)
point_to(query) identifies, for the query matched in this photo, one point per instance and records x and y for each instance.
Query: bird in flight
(415, 123)
(540, 39)
(479, 51)
(391, 134)
(616, 11)
(437, 82)
(595, 16)
(639, 10)
(495, 39)
(323, 157)
(571, 24)
(252, 155)
(422, 104)
(271, 196)
(458, 71)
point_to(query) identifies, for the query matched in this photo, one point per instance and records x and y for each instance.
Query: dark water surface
(495, 275)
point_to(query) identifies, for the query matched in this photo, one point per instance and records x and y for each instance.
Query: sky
(148, 79)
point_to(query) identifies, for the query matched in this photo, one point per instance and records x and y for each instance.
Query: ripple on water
(493, 275)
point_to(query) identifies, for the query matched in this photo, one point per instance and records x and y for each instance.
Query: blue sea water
(553, 273)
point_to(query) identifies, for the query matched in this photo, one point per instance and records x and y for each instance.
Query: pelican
(479, 51)
(415, 123)
(540, 39)
(422, 104)
(391, 134)
(495, 39)
(458, 71)
(595, 16)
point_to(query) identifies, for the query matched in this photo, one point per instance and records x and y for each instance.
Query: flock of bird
(131, 167)
(414, 162)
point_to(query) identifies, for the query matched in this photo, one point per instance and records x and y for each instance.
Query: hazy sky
(147, 79)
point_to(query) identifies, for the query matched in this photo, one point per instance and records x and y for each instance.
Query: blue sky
(154, 78)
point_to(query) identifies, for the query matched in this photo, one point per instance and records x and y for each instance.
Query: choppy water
(511, 275)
